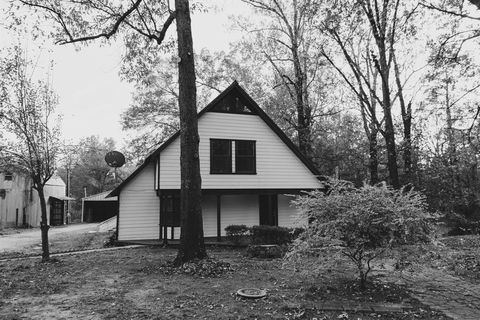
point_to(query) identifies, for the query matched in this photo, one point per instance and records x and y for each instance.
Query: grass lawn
(138, 284)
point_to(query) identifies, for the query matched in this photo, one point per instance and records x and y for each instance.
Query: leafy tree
(153, 115)
(85, 163)
(147, 22)
(341, 148)
(449, 165)
(27, 112)
(365, 223)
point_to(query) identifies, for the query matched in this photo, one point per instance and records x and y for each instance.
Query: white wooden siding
(235, 209)
(139, 212)
(139, 216)
(209, 215)
(288, 214)
(239, 209)
(277, 166)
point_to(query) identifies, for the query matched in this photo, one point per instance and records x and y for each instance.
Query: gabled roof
(234, 88)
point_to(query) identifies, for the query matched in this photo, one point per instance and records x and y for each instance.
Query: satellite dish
(115, 159)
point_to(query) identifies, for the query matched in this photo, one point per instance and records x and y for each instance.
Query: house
(249, 170)
(98, 208)
(20, 204)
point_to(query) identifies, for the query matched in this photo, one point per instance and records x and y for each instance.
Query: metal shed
(98, 208)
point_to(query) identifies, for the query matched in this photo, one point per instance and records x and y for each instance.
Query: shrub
(362, 223)
(236, 233)
(270, 235)
(462, 226)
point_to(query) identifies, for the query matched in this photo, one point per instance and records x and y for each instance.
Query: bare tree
(366, 34)
(27, 112)
(83, 21)
(287, 45)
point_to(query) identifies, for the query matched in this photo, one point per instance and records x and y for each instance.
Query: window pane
(221, 147)
(220, 156)
(245, 148)
(245, 158)
(222, 164)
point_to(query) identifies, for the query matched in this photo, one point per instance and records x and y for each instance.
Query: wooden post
(219, 231)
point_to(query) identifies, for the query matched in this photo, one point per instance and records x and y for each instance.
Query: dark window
(220, 156)
(232, 104)
(8, 176)
(245, 161)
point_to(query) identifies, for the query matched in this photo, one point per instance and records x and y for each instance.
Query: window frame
(234, 168)
(254, 156)
(228, 157)
(8, 176)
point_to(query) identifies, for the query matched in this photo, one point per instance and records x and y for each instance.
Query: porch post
(219, 231)
(163, 235)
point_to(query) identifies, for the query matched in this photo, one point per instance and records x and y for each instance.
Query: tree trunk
(389, 134)
(373, 154)
(407, 145)
(303, 111)
(191, 238)
(44, 224)
(406, 111)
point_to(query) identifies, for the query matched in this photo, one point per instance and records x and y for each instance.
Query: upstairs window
(232, 104)
(8, 176)
(220, 156)
(221, 151)
(245, 160)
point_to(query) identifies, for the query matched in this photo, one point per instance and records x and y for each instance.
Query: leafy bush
(363, 223)
(270, 235)
(462, 226)
(237, 233)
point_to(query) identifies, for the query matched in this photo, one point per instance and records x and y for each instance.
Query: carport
(98, 208)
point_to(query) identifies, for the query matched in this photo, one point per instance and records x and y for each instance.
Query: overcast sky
(92, 97)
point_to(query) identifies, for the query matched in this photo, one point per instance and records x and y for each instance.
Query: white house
(20, 204)
(249, 170)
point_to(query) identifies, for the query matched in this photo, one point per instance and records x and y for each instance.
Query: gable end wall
(277, 166)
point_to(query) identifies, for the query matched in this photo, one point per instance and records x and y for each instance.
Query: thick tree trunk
(304, 117)
(389, 134)
(191, 238)
(406, 110)
(303, 111)
(44, 224)
(391, 149)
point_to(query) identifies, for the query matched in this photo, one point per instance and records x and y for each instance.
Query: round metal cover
(115, 159)
(252, 293)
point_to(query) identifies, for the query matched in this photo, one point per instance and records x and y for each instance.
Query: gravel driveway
(29, 237)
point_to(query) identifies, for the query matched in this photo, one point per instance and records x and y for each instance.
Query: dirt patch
(126, 284)
(63, 242)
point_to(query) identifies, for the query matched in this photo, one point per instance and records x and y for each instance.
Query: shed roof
(100, 197)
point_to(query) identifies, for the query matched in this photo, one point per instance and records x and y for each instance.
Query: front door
(169, 213)
(56, 212)
(268, 207)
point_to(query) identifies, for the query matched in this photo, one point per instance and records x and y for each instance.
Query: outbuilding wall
(139, 207)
